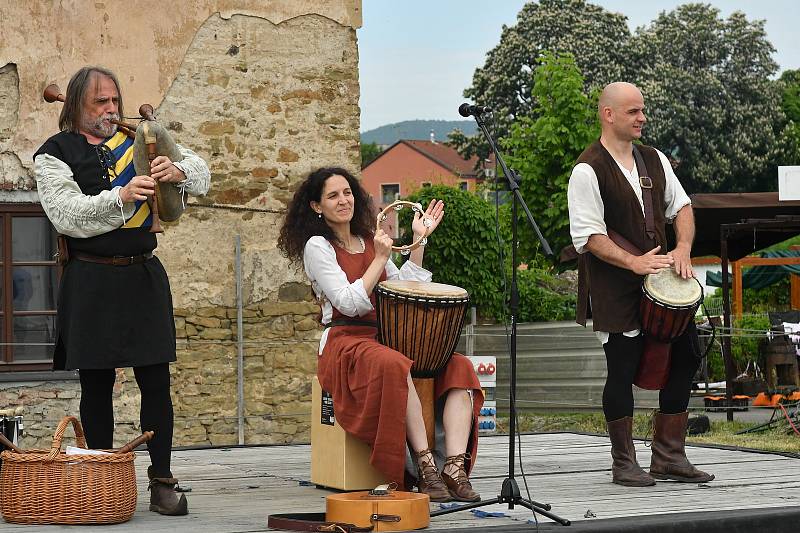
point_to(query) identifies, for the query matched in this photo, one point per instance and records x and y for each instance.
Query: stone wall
(264, 94)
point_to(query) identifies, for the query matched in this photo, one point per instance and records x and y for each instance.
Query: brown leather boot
(163, 498)
(458, 483)
(625, 470)
(669, 455)
(428, 479)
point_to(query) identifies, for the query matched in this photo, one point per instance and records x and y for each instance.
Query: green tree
(711, 104)
(543, 150)
(790, 102)
(790, 97)
(369, 151)
(464, 250)
(597, 38)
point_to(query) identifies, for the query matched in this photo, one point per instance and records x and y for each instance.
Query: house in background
(408, 165)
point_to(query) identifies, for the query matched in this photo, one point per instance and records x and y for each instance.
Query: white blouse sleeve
(70, 211)
(198, 177)
(586, 210)
(329, 280)
(410, 271)
(674, 195)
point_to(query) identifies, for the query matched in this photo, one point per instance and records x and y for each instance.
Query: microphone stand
(509, 492)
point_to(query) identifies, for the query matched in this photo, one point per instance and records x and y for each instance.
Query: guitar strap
(312, 522)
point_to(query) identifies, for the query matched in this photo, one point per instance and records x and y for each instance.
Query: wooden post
(795, 284)
(738, 303)
(727, 357)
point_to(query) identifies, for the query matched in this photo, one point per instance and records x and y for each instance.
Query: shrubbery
(748, 334)
(465, 252)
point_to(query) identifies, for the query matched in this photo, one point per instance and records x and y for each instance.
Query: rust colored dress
(368, 382)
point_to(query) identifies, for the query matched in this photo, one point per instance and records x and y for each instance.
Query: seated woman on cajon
(329, 227)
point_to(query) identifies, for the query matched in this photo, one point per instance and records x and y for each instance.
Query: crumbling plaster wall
(265, 92)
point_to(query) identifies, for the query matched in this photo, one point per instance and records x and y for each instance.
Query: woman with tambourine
(329, 227)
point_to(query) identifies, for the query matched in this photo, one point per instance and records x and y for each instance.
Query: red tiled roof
(445, 155)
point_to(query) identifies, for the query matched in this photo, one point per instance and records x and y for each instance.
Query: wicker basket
(50, 487)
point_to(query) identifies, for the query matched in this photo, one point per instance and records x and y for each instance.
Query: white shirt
(80, 215)
(586, 210)
(332, 288)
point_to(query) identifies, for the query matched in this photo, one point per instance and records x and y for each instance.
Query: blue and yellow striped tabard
(122, 147)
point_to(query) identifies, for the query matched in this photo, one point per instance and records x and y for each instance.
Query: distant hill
(417, 129)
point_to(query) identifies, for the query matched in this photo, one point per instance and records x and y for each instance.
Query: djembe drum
(668, 305)
(422, 321)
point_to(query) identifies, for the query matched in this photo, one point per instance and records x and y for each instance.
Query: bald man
(605, 198)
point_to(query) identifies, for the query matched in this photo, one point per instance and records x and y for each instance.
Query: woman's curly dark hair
(302, 223)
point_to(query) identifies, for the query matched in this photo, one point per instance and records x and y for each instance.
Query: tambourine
(397, 205)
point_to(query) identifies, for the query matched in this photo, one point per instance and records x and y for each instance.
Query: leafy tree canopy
(543, 150)
(369, 151)
(791, 94)
(594, 36)
(712, 101)
(711, 104)
(464, 250)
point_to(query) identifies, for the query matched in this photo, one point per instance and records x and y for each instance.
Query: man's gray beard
(97, 128)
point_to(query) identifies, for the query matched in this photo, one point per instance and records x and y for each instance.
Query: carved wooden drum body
(422, 321)
(668, 304)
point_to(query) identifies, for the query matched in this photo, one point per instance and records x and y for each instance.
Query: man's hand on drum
(651, 262)
(682, 261)
(383, 245)
(434, 213)
(162, 169)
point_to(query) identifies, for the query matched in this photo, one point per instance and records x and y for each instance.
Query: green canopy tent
(761, 276)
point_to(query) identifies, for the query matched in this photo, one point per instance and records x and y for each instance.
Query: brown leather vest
(616, 292)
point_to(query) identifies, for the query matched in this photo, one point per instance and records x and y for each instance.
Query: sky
(417, 57)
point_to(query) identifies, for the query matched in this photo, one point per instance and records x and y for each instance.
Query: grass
(722, 432)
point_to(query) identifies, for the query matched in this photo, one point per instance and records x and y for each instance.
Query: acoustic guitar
(381, 508)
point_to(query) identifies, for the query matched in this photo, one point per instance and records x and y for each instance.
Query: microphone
(466, 110)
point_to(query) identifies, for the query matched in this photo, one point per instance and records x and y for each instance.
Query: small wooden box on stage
(338, 460)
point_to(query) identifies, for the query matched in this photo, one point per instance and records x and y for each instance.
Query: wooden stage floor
(234, 489)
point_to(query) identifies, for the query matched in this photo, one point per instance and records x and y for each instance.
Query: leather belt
(349, 322)
(117, 260)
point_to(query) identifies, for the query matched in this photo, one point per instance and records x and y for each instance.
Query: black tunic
(109, 316)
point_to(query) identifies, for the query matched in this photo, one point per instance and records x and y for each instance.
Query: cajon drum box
(338, 460)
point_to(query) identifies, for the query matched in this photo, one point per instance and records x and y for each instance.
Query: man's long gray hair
(70, 118)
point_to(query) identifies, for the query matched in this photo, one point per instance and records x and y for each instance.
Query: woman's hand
(383, 245)
(434, 213)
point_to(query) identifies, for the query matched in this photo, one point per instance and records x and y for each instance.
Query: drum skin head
(422, 288)
(668, 287)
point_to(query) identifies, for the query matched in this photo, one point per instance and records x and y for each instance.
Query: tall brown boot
(163, 498)
(625, 470)
(428, 479)
(669, 455)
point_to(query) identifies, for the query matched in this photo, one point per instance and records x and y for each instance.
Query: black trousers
(622, 360)
(97, 410)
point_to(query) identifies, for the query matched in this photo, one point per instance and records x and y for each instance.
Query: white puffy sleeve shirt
(586, 210)
(332, 288)
(80, 215)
